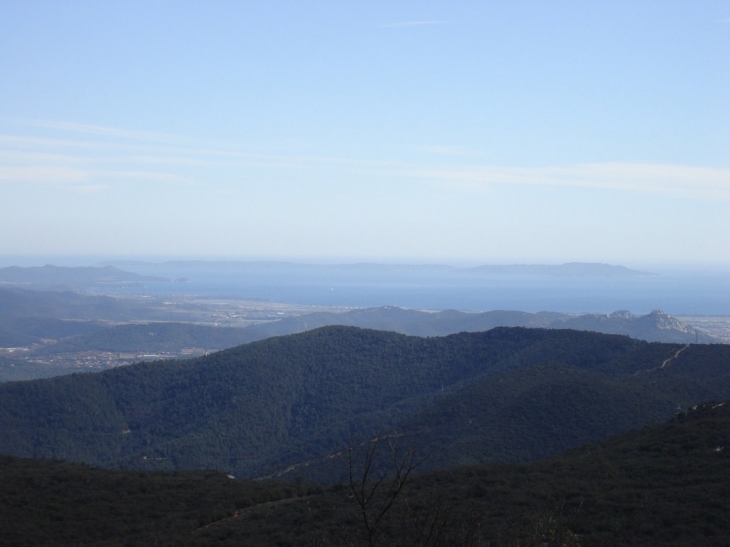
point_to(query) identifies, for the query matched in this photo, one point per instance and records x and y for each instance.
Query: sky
(455, 132)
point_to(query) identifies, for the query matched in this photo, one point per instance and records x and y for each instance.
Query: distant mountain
(59, 277)
(405, 321)
(507, 394)
(654, 327)
(571, 269)
(18, 304)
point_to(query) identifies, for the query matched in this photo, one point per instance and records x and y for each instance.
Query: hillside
(25, 331)
(151, 337)
(259, 408)
(65, 305)
(663, 485)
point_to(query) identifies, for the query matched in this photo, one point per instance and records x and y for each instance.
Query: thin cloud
(675, 180)
(90, 188)
(414, 24)
(176, 146)
(35, 158)
(151, 147)
(447, 150)
(43, 175)
(131, 157)
(19, 141)
(56, 166)
(169, 160)
(70, 176)
(125, 175)
(106, 131)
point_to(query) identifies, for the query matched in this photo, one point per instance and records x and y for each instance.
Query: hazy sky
(488, 132)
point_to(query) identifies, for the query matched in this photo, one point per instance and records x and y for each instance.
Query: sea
(677, 292)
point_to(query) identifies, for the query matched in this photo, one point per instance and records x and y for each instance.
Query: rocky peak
(664, 321)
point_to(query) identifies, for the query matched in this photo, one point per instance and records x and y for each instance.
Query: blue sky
(481, 132)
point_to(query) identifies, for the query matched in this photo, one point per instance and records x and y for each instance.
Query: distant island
(62, 277)
(570, 269)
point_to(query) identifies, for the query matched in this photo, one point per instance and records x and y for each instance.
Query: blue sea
(675, 292)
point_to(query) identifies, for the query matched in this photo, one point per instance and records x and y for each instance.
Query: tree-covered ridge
(261, 407)
(662, 485)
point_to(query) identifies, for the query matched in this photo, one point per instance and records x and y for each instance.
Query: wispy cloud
(414, 23)
(70, 154)
(447, 150)
(106, 131)
(56, 174)
(67, 175)
(89, 188)
(667, 179)
(68, 163)
(156, 158)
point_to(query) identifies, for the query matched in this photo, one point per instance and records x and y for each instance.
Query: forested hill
(259, 408)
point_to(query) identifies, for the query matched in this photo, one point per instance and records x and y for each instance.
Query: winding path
(666, 362)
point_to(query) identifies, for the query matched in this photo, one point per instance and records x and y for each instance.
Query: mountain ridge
(656, 326)
(266, 405)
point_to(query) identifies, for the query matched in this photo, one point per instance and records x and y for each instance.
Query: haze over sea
(676, 291)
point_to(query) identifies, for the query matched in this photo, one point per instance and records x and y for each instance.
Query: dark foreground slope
(663, 485)
(45, 502)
